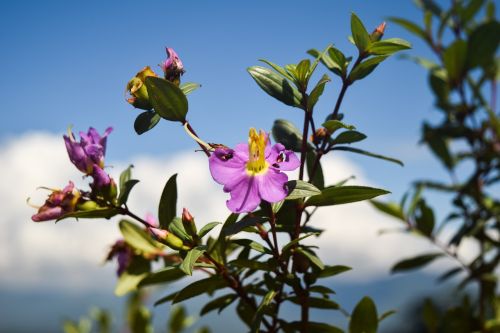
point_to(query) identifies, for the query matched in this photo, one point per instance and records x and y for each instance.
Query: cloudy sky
(69, 63)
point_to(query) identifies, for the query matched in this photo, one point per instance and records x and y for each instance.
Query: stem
(205, 150)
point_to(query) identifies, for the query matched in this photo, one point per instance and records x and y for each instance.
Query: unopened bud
(168, 239)
(188, 223)
(87, 206)
(377, 34)
(320, 134)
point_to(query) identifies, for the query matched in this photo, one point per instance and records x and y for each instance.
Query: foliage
(256, 274)
(466, 141)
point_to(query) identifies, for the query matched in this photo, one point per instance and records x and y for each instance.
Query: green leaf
(390, 208)
(389, 46)
(259, 314)
(177, 228)
(245, 222)
(365, 68)
(311, 257)
(318, 179)
(300, 189)
(191, 258)
(138, 238)
(207, 228)
(295, 326)
(315, 302)
(317, 91)
(276, 86)
(333, 125)
(431, 316)
(252, 264)
(125, 176)
(164, 275)
(454, 59)
(253, 245)
(303, 71)
(189, 87)
(146, 121)
(130, 278)
(345, 194)
(386, 314)
(125, 191)
(410, 26)
(360, 36)
(321, 290)
(483, 44)
(287, 134)
(415, 262)
(349, 137)
(167, 209)
(289, 245)
(364, 318)
(207, 285)
(450, 273)
(278, 69)
(424, 218)
(367, 153)
(102, 212)
(219, 303)
(333, 59)
(333, 270)
(168, 100)
(178, 320)
(438, 145)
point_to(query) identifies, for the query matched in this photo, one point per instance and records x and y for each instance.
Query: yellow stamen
(257, 163)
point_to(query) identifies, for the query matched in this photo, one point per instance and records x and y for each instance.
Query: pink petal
(226, 167)
(245, 196)
(272, 185)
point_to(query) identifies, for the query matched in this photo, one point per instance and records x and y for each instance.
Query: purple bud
(58, 204)
(172, 67)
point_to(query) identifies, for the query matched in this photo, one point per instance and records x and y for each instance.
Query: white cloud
(69, 254)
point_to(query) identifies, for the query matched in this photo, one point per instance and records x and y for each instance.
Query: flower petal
(245, 196)
(272, 185)
(226, 167)
(282, 158)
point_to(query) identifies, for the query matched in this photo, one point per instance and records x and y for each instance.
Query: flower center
(257, 163)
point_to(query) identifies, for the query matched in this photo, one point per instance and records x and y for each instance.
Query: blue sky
(67, 62)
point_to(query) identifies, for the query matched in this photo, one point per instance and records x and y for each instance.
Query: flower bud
(320, 134)
(137, 91)
(172, 67)
(188, 223)
(58, 204)
(168, 238)
(377, 34)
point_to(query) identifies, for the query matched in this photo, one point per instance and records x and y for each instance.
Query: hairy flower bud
(137, 91)
(377, 34)
(188, 223)
(172, 67)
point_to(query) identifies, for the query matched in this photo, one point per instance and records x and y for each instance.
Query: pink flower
(252, 172)
(172, 67)
(58, 204)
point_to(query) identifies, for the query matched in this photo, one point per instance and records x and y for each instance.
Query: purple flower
(123, 253)
(89, 151)
(172, 67)
(58, 204)
(252, 172)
